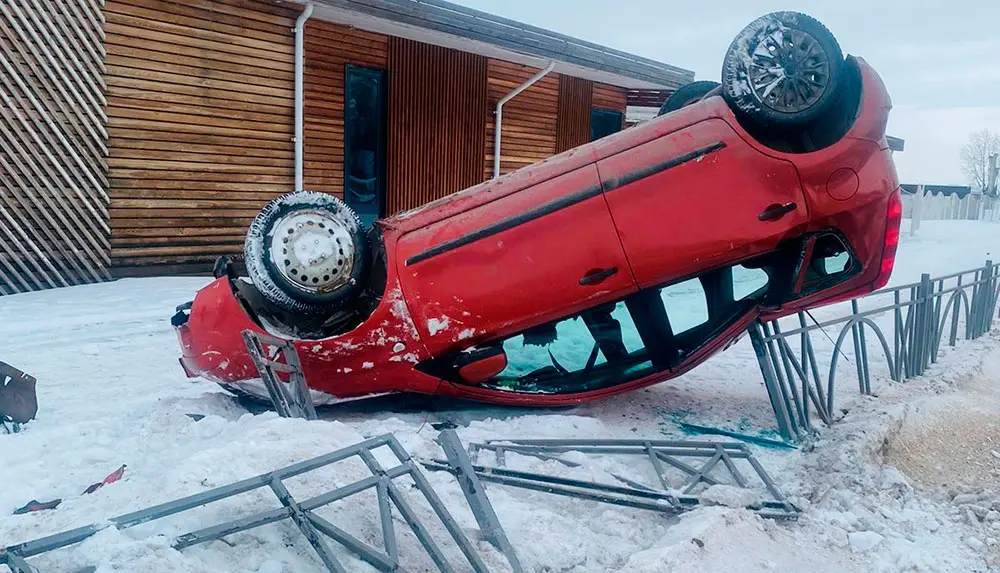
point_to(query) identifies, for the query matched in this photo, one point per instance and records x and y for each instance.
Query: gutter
(499, 113)
(299, 29)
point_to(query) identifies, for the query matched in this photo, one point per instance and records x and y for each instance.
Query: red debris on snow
(35, 505)
(112, 478)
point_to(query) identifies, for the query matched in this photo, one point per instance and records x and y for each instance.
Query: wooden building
(140, 137)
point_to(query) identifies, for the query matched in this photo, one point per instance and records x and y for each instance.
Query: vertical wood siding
(529, 120)
(610, 97)
(54, 228)
(575, 100)
(201, 112)
(437, 107)
(329, 48)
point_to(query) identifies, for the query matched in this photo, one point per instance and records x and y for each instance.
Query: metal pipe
(300, 24)
(499, 113)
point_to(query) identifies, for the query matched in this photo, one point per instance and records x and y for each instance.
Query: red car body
(648, 206)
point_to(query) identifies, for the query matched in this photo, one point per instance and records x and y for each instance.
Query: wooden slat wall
(575, 100)
(437, 108)
(329, 48)
(610, 97)
(201, 115)
(529, 120)
(53, 187)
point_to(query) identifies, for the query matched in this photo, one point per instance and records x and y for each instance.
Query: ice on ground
(111, 393)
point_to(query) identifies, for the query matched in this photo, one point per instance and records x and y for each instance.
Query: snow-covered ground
(878, 488)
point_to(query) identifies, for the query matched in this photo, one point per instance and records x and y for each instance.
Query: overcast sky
(940, 59)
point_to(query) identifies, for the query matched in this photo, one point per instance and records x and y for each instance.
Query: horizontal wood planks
(201, 125)
(573, 126)
(329, 49)
(529, 120)
(647, 98)
(437, 108)
(53, 186)
(610, 97)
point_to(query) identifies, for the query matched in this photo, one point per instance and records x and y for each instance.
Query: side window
(686, 305)
(829, 264)
(602, 338)
(710, 303)
(648, 332)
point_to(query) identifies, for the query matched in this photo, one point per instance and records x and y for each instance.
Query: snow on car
(619, 264)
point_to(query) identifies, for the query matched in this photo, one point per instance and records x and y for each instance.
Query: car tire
(804, 73)
(307, 253)
(687, 95)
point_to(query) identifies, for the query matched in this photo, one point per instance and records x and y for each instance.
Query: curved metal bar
(996, 299)
(840, 341)
(962, 297)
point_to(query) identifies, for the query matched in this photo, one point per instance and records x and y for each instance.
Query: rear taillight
(893, 220)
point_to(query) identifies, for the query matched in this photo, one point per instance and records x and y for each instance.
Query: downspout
(499, 112)
(300, 33)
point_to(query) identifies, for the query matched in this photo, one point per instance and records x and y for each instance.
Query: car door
(698, 198)
(543, 252)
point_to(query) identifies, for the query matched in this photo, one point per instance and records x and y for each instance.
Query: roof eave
(445, 24)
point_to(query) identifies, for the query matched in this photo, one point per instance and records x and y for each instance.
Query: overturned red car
(615, 265)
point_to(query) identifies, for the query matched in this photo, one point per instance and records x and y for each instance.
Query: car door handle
(776, 211)
(598, 275)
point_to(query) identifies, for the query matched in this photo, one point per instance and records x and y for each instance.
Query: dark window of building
(364, 142)
(604, 122)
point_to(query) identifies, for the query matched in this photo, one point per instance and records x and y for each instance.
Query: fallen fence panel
(716, 466)
(312, 526)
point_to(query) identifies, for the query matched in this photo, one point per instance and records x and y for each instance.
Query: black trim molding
(562, 203)
(633, 176)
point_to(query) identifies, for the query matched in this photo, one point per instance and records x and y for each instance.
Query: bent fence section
(900, 330)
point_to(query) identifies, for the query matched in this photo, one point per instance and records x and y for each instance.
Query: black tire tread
(265, 279)
(747, 105)
(686, 93)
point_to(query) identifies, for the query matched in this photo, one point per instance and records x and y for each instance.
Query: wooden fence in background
(54, 225)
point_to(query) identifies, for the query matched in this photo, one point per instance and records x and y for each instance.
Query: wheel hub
(788, 70)
(313, 251)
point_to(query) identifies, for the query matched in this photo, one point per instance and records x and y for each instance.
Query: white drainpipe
(299, 136)
(499, 113)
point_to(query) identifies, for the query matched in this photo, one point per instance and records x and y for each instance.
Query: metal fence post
(953, 339)
(929, 324)
(913, 319)
(936, 288)
(970, 326)
(993, 297)
(775, 391)
(898, 348)
(916, 335)
(986, 293)
(861, 351)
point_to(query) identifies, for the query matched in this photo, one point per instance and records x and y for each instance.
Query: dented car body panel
(601, 238)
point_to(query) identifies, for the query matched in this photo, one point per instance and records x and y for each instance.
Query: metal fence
(302, 512)
(906, 325)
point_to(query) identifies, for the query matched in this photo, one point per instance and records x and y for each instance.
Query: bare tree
(976, 162)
